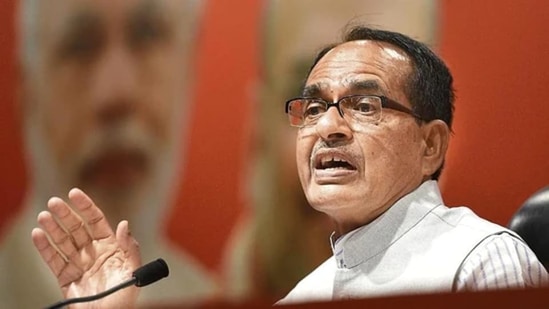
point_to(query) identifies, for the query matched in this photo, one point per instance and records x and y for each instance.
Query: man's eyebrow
(365, 85)
(313, 90)
(77, 32)
(146, 9)
(79, 22)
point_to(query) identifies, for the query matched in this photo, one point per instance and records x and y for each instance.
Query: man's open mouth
(333, 161)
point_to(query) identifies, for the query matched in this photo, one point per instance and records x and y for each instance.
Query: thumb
(128, 244)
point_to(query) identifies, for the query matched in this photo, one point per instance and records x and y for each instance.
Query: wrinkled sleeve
(501, 262)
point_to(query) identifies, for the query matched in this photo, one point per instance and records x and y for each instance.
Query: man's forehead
(360, 64)
(60, 9)
(62, 17)
(60, 14)
(369, 49)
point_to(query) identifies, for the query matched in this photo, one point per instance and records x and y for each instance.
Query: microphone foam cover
(151, 272)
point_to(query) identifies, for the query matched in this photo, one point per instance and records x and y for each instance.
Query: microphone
(143, 276)
(151, 272)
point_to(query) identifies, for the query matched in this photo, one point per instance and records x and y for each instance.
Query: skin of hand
(84, 253)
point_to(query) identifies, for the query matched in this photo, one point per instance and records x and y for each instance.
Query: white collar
(371, 239)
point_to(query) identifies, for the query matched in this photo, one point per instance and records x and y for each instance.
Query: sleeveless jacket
(416, 246)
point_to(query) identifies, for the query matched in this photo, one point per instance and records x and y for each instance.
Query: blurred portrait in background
(104, 97)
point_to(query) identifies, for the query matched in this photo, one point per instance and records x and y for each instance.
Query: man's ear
(436, 135)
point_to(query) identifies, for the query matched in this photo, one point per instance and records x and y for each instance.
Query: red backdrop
(498, 156)
(12, 172)
(213, 196)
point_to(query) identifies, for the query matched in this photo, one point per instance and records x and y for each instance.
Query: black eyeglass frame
(385, 103)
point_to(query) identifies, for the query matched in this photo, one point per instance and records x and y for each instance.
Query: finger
(49, 254)
(63, 271)
(91, 214)
(57, 234)
(72, 223)
(128, 244)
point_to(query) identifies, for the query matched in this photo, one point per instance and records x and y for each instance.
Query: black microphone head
(151, 272)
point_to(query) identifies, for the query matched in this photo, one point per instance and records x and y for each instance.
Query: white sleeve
(499, 262)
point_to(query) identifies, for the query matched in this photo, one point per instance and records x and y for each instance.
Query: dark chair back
(531, 222)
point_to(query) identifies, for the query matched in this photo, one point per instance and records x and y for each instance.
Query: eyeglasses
(362, 108)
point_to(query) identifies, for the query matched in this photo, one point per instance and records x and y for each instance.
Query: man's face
(105, 92)
(380, 162)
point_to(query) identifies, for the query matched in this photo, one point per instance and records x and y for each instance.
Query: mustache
(340, 145)
(128, 137)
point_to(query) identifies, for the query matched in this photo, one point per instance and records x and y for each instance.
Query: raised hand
(84, 253)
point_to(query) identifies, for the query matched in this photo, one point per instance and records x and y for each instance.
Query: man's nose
(332, 126)
(114, 86)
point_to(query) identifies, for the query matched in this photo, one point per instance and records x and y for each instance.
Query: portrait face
(105, 93)
(352, 170)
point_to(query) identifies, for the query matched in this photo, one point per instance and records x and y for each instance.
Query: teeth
(333, 161)
(330, 159)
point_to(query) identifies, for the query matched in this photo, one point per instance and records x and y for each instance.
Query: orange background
(498, 52)
(499, 155)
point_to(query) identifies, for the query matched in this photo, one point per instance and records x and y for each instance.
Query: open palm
(84, 253)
